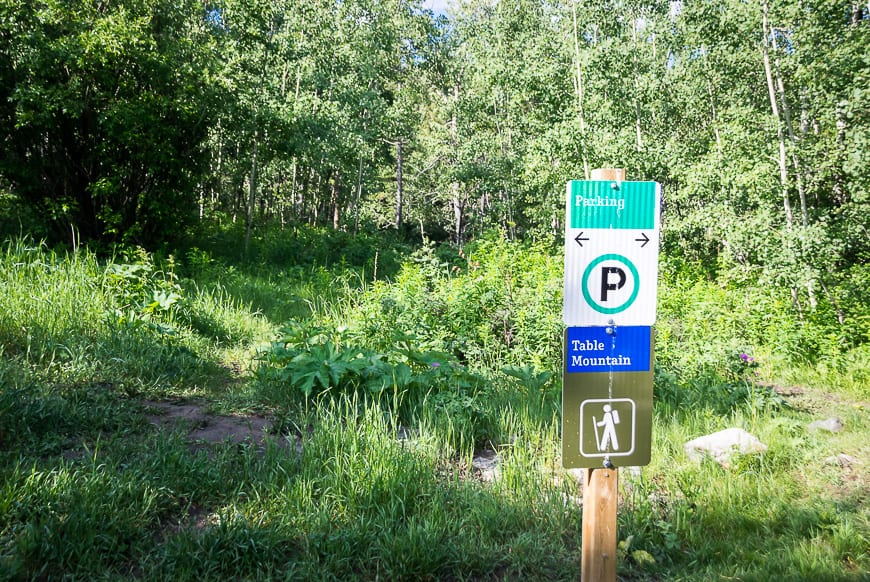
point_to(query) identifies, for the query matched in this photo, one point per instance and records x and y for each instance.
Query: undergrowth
(382, 390)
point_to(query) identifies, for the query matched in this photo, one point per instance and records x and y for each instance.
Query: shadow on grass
(353, 503)
(55, 395)
(302, 246)
(288, 271)
(794, 540)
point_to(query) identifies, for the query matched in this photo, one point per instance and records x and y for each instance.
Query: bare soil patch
(206, 429)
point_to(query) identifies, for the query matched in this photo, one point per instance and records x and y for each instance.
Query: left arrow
(580, 239)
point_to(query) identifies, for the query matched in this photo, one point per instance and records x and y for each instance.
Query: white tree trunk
(252, 192)
(774, 107)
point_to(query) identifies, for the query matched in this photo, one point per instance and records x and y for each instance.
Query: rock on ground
(829, 424)
(723, 444)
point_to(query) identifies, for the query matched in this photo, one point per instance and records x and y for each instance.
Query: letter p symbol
(606, 285)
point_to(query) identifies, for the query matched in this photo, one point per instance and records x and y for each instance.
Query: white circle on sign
(610, 283)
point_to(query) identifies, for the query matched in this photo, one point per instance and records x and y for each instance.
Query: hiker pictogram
(608, 427)
(606, 439)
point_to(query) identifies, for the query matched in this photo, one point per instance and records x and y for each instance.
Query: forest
(128, 122)
(333, 231)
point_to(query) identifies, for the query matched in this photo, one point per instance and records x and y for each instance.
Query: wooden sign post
(598, 554)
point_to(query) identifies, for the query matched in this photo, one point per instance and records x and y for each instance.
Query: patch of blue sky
(436, 6)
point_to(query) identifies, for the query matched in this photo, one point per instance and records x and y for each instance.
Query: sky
(436, 6)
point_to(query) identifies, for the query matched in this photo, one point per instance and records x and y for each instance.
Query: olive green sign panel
(607, 419)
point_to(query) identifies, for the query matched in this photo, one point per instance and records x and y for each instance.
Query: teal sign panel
(598, 204)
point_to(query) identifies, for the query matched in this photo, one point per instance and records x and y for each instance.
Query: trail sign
(611, 271)
(597, 376)
(611, 252)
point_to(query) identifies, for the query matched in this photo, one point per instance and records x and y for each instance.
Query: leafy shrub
(146, 297)
(721, 392)
(311, 360)
(306, 247)
(494, 303)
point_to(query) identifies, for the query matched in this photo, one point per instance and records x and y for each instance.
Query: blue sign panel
(593, 349)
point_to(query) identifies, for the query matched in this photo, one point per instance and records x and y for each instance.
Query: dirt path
(205, 429)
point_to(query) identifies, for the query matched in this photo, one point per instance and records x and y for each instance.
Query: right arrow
(645, 239)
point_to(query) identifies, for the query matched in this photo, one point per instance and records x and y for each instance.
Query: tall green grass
(126, 322)
(368, 473)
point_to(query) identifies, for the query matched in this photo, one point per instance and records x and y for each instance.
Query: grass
(369, 474)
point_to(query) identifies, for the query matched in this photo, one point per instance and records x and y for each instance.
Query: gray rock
(829, 425)
(486, 463)
(842, 460)
(723, 444)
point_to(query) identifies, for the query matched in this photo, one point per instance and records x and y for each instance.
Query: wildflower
(435, 364)
(747, 358)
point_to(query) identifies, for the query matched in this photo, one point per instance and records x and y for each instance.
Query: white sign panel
(611, 253)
